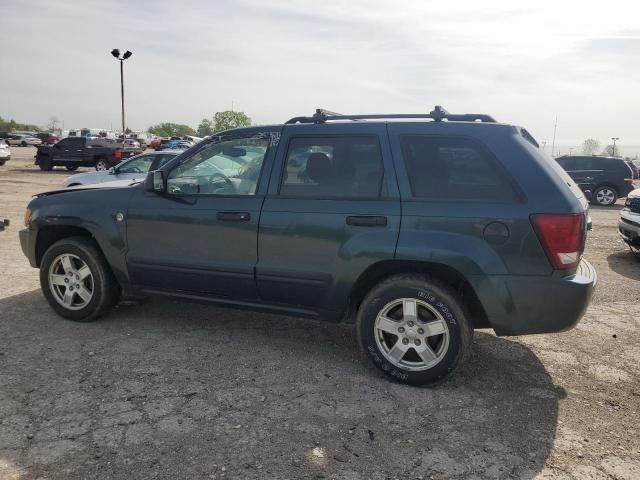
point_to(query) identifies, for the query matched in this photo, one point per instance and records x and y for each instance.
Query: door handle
(367, 221)
(233, 216)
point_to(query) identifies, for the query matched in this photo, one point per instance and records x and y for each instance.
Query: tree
(168, 129)
(11, 125)
(53, 123)
(230, 119)
(610, 151)
(590, 146)
(205, 128)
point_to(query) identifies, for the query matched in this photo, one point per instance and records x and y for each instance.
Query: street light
(116, 53)
(615, 139)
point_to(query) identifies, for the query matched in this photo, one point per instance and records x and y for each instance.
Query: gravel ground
(166, 389)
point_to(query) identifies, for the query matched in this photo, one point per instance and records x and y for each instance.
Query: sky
(521, 62)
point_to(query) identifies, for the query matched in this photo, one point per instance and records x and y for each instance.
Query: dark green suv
(418, 228)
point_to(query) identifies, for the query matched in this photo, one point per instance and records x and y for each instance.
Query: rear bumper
(523, 305)
(629, 227)
(28, 244)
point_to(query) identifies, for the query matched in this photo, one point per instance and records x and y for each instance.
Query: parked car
(130, 142)
(418, 231)
(607, 178)
(23, 140)
(135, 168)
(629, 221)
(4, 223)
(47, 138)
(5, 153)
(634, 169)
(155, 143)
(178, 144)
(74, 152)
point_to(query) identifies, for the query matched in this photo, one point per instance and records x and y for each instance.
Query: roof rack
(437, 114)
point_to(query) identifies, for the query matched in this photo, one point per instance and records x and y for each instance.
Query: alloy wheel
(71, 281)
(411, 334)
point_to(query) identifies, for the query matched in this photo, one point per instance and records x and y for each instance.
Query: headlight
(27, 217)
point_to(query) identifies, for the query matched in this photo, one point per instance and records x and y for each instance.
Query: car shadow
(625, 263)
(180, 389)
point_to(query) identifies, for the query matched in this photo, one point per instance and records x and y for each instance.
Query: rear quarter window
(454, 168)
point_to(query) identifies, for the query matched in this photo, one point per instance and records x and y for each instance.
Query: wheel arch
(49, 235)
(379, 271)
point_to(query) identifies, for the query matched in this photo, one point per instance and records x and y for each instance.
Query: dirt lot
(167, 389)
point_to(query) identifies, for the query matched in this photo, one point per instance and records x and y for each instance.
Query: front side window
(333, 167)
(230, 167)
(137, 165)
(457, 168)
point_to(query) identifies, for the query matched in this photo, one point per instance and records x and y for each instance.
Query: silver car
(5, 153)
(134, 168)
(23, 140)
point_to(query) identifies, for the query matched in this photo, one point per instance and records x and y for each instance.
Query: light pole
(116, 53)
(615, 139)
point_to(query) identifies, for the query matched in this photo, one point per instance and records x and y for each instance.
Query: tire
(72, 168)
(439, 311)
(85, 265)
(605, 196)
(101, 165)
(45, 164)
(24, 144)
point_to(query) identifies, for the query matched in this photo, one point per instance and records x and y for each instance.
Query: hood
(93, 186)
(634, 193)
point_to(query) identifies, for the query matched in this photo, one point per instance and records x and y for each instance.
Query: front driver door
(200, 238)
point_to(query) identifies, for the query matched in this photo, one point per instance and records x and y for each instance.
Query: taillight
(118, 153)
(562, 237)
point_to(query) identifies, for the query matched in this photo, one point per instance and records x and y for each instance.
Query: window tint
(230, 167)
(333, 167)
(584, 163)
(74, 143)
(137, 165)
(443, 168)
(568, 163)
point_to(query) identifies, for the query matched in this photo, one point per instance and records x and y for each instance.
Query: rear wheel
(414, 329)
(24, 144)
(101, 165)
(77, 281)
(605, 196)
(72, 168)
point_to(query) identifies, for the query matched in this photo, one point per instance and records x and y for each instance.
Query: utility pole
(116, 53)
(615, 139)
(553, 143)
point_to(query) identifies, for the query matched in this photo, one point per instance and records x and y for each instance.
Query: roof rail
(438, 114)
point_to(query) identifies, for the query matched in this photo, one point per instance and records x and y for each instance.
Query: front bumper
(523, 305)
(629, 227)
(28, 244)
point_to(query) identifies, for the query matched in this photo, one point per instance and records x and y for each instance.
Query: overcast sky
(522, 62)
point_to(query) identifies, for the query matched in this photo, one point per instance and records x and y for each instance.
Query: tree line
(219, 122)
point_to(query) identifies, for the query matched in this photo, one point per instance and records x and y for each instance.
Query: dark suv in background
(607, 178)
(417, 229)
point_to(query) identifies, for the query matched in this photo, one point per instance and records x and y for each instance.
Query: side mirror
(588, 195)
(112, 170)
(155, 182)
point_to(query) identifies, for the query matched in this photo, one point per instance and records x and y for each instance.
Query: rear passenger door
(332, 211)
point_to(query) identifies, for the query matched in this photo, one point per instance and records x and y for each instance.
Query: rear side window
(453, 168)
(333, 167)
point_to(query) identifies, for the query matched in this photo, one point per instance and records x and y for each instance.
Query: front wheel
(24, 144)
(101, 165)
(77, 281)
(414, 329)
(605, 196)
